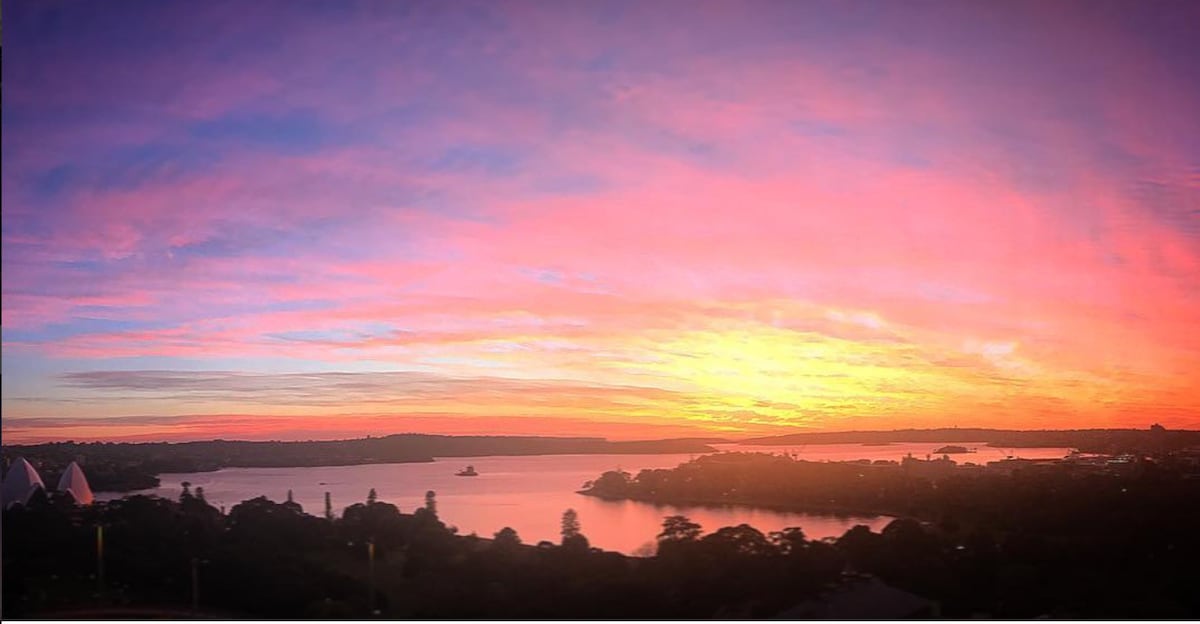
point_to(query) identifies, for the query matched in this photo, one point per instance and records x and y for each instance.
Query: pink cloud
(588, 184)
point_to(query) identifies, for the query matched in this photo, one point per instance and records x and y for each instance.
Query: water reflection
(528, 494)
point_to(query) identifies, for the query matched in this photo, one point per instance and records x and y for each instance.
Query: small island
(952, 450)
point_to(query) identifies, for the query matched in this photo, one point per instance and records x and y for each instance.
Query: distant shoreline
(132, 466)
(1086, 440)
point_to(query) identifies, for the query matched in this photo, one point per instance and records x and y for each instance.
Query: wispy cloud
(618, 196)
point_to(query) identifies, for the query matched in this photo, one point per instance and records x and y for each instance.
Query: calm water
(529, 494)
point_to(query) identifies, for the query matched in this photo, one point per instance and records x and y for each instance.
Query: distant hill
(1153, 439)
(127, 466)
(474, 446)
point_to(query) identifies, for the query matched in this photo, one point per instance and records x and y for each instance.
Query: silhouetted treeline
(1045, 539)
(270, 560)
(1152, 440)
(122, 467)
(1051, 494)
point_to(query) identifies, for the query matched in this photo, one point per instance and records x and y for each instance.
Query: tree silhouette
(789, 541)
(679, 529)
(860, 544)
(291, 503)
(328, 507)
(570, 525)
(267, 560)
(741, 540)
(372, 497)
(506, 538)
(611, 483)
(380, 521)
(431, 503)
(678, 537)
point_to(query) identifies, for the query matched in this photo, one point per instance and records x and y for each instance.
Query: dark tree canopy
(506, 538)
(679, 529)
(570, 525)
(431, 503)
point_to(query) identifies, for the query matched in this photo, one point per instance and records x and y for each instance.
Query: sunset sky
(629, 219)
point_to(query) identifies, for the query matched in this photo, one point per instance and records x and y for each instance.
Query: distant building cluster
(22, 483)
(1185, 462)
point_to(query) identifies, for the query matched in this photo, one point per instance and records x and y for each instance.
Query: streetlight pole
(371, 576)
(195, 585)
(100, 558)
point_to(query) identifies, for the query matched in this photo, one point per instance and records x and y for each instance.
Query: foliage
(506, 538)
(679, 529)
(570, 524)
(1019, 547)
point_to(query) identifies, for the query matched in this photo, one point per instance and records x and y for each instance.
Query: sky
(311, 219)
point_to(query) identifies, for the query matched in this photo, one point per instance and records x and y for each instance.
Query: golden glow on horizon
(607, 233)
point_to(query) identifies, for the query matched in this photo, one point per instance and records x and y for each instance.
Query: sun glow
(605, 232)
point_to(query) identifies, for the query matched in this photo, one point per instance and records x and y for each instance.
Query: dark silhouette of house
(928, 468)
(867, 598)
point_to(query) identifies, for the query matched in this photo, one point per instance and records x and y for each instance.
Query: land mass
(1154, 439)
(126, 467)
(1043, 541)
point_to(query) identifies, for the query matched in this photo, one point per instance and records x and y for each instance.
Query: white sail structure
(21, 483)
(75, 482)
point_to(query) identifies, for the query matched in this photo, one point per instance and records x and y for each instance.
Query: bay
(530, 493)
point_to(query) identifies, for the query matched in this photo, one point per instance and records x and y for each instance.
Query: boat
(469, 471)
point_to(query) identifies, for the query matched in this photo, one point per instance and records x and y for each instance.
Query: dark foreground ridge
(125, 466)
(1023, 545)
(1088, 536)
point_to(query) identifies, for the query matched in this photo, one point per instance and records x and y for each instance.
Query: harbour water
(530, 493)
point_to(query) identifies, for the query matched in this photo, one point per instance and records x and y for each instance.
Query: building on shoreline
(21, 483)
(74, 482)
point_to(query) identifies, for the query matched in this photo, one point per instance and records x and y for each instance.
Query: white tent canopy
(21, 483)
(75, 482)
